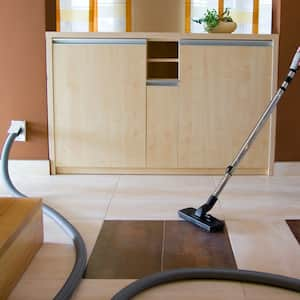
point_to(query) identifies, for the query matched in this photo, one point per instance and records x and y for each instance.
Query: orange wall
(23, 74)
(288, 120)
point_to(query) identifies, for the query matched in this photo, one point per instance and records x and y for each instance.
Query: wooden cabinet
(99, 104)
(223, 91)
(159, 103)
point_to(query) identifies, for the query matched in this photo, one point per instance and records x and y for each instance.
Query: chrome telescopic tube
(247, 144)
(213, 198)
(259, 125)
(81, 254)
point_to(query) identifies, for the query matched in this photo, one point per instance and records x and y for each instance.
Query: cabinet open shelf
(162, 70)
(162, 60)
(162, 49)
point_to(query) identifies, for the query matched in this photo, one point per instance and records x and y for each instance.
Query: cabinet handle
(162, 82)
(266, 43)
(85, 41)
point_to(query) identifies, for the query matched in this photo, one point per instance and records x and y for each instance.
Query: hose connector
(18, 128)
(296, 61)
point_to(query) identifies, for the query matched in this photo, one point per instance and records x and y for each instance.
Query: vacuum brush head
(206, 222)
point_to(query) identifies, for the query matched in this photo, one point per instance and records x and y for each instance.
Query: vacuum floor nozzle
(206, 222)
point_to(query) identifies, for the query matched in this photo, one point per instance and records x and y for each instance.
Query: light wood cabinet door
(223, 91)
(162, 126)
(100, 104)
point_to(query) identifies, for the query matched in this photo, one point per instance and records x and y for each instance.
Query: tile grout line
(163, 247)
(214, 181)
(226, 231)
(112, 196)
(243, 290)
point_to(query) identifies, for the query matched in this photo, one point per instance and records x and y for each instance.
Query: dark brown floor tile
(134, 249)
(126, 249)
(187, 246)
(295, 228)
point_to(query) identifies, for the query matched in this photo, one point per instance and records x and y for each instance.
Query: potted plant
(215, 23)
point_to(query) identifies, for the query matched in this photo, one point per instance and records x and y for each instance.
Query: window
(252, 16)
(265, 16)
(112, 15)
(93, 15)
(198, 8)
(74, 15)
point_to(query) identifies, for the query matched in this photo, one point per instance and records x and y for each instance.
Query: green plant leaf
(211, 18)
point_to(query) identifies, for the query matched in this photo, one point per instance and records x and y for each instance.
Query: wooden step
(21, 236)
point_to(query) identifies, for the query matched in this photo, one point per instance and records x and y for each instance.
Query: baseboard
(42, 168)
(29, 167)
(287, 168)
(150, 171)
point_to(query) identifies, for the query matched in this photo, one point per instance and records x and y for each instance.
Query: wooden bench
(21, 236)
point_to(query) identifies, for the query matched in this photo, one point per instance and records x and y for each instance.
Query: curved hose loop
(153, 280)
(81, 254)
(139, 286)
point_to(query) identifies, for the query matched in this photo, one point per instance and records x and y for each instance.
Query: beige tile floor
(254, 208)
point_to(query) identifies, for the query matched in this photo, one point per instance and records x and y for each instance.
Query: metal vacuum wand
(199, 216)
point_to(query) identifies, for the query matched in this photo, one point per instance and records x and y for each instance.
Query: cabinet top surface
(172, 36)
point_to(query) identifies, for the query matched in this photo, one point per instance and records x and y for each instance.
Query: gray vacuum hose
(81, 254)
(153, 280)
(148, 282)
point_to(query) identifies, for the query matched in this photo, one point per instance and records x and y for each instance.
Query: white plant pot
(224, 27)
